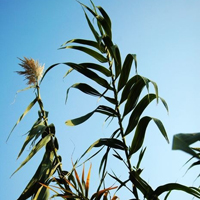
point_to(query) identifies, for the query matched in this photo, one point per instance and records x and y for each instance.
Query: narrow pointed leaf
(139, 135)
(105, 25)
(23, 115)
(84, 88)
(98, 195)
(85, 42)
(78, 181)
(105, 15)
(90, 74)
(141, 130)
(34, 150)
(41, 176)
(80, 120)
(95, 33)
(125, 71)
(175, 186)
(135, 115)
(36, 130)
(100, 109)
(87, 182)
(110, 142)
(48, 69)
(97, 67)
(117, 60)
(141, 184)
(182, 141)
(88, 51)
(133, 96)
(140, 157)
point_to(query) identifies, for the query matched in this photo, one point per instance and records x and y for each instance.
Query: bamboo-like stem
(118, 111)
(120, 120)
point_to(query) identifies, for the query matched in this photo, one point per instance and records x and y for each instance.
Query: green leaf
(133, 96)
(48, 69)
(85, 88)
(101, 109)
(104, 25)
(135, 115)
(125, 71)
(80, 120)
(117, 60)
(182, 141)
(105, 15)
(141, 184)
(43, 193)
(23, 115)
(34, 150)
(97, 67)
(91, 43)
(109, 44)
(41, 175)
(140, 133)
(175, 186)
(88, 51)
(37, 130)
(90, 74)
(111, 142)
(95, 33)
(140, 157)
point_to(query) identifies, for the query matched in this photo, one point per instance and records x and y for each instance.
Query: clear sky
(165, 35)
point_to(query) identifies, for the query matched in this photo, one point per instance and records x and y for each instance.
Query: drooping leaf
(111, 142)
(48, 69)
(182, 141)
(41, 175)
(97, 67)
(90, 74)
(23, 115)
(37, 130)
(84, 88)
(100, 109)
(88, 51)
(125, 71)
(175, 186)
(34, 150)
(140, 133)
(91, 43)
(135, 115)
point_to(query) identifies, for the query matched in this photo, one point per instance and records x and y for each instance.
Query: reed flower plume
(33, 71)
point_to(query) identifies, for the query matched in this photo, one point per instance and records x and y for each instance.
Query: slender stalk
(118, 112)
(120, 121)
(59, 169)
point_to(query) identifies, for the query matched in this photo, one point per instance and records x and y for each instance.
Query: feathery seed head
(33, 72)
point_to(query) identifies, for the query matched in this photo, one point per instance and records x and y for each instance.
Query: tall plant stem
(118, 112)
(59, 169)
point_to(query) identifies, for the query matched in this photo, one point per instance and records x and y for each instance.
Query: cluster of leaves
(125, 101)
(182, 141)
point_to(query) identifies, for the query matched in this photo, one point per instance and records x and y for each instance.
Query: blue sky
(165, 37)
